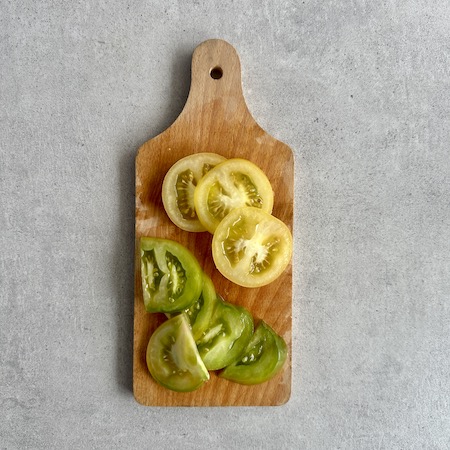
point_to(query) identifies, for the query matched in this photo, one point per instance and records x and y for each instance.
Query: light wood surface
(214, 119)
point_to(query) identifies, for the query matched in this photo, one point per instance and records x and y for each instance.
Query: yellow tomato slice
(251, 248)
(232, 184)
(179, 185)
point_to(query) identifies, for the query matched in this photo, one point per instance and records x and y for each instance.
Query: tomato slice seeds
(172, 278)
(172, 356)
(261, 360)
(232, 184)
(251, 248)
(179, 186)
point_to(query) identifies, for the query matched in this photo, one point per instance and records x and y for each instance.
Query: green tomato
(261, 360)
(200, 313)
(172, 278)
(172, 356)
(226, 336)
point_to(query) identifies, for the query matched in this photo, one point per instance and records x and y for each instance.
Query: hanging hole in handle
(216, 73)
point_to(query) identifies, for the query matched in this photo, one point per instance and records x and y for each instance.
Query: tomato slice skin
(261, 360)
(179, 185)
(231, 184)
(172, 278)
(228, 332)
(172, 356)
(251, 248)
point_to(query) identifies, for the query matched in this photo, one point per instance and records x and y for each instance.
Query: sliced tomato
(226, 336)
(251, 248)
(179, 185)
(200, 313)
(232, 184)
(172, 278)
(261, 360)
(172, 356)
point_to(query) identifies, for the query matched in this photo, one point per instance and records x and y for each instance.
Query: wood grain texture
(214, 119)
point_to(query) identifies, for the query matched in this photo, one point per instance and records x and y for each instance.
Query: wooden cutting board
(214, 119)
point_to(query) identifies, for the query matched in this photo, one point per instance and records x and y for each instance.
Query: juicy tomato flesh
(251, 248)
(172, 356)
(261, 360)
(232, 184)
(227, 334)
(201, 311)
(179, 186)
(171, 275)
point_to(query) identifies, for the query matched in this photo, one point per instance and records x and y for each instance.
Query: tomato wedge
(179, 185)
(172, 278)
(172, 356)
(226, 336)
(261, 360)
(251, 248)
(232, 184)
(200, 313)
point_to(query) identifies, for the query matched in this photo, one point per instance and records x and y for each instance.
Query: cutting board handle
(216, 89)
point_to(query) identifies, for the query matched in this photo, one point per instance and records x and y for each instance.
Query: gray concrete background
(359, 89)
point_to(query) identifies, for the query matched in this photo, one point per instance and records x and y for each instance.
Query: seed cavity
(206, 168)
(151, 273)
(219, 201)
(247, 189)
(177, 277)
(185, 186)
(234, 249)
(262, 258)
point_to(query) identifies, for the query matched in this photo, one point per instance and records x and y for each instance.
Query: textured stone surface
(360, 91)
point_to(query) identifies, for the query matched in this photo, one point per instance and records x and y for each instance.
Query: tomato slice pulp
(226, 336)
(179, 185)
(232, 184)
(261, 360)
(251, 248)
(172, 356)
(201, 311)
(172, 278)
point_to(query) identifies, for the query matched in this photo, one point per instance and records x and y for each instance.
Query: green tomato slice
(226, 336)
(172, 356)
(200, 313)
(171, 276)
(261, 360)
